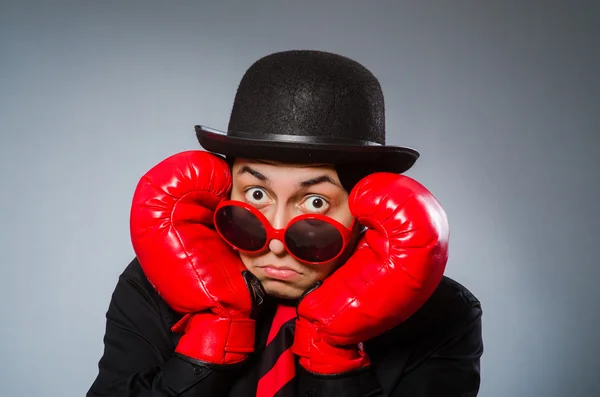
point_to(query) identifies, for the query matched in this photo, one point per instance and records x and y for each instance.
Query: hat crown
(310, 94)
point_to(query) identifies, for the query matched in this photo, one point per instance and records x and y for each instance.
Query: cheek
(235, 194)
(343, 215)
(246, 260)
(323, 271)
(348, 220)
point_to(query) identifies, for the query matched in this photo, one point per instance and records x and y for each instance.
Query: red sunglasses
(309, 238)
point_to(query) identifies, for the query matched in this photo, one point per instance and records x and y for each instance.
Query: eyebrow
(317, 180)
(304, 184)
(253, 172)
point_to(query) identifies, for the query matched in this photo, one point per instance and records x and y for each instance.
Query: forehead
(283, 167)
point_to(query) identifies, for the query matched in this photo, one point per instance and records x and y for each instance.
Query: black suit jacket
(434, 353)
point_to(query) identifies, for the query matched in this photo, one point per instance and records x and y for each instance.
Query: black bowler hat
(309, 107)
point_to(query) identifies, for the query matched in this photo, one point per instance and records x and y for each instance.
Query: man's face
(282, 192)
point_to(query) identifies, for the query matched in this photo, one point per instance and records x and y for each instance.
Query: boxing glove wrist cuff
(320, 357)
(204, 364)
(215, 340)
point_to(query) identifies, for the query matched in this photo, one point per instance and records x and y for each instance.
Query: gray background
(501, 98)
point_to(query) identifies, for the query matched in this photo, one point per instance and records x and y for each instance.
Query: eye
(256, 196)
(315, 204)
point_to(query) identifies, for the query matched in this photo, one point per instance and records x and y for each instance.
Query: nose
(278, 220)
(277, 247)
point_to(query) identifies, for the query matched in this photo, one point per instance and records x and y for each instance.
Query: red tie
(279, 363)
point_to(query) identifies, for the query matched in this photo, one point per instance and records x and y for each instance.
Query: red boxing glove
(186, 261)
(394, 269)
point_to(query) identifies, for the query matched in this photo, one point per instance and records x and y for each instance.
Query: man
(301, 263)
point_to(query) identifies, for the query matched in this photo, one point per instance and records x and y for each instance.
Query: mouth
(280, 272)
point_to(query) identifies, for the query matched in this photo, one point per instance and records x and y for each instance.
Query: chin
(278, 289)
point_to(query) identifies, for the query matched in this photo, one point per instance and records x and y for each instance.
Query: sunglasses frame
(279, 234)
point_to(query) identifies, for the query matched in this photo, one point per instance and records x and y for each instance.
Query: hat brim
(397, 159)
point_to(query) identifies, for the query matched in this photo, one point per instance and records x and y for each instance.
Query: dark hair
(350, 175)
(230, 160)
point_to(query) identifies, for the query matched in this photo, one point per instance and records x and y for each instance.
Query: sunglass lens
(241, 228)
(314, 240)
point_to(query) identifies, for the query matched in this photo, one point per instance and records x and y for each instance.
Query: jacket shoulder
(448, 285)
(449, 312)
(451, 302)
(452, 308)
(134, 272)
(134, 287)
